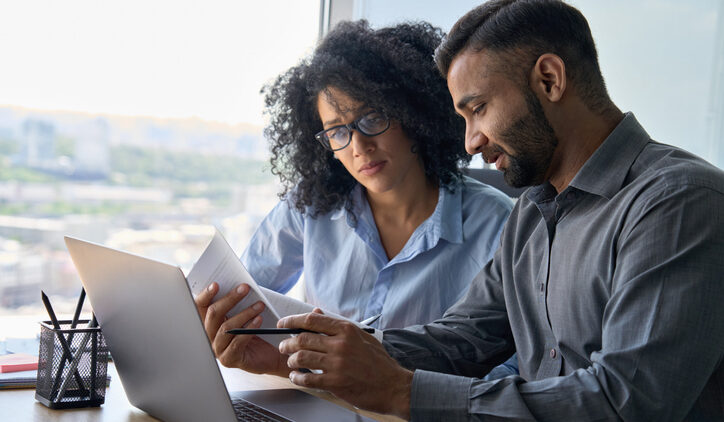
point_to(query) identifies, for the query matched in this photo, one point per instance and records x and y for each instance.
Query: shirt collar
(448, 215)
(357, 198)
(359, 207)
(446, 221)
(605, 171)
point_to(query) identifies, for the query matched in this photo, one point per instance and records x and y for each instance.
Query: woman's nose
(361, 144)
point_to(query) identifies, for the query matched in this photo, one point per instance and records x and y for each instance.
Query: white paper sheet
(218, 263)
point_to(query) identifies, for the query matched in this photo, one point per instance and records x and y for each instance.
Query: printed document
(218, 263)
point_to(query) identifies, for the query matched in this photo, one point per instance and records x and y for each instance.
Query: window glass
(136, 124)
(661, 59)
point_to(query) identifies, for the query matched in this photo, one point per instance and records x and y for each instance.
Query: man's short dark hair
(520, 31)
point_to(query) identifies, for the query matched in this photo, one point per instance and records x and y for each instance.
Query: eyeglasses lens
(338, 137)
(372, 124)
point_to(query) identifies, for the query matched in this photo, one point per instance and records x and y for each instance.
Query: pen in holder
(72, 365)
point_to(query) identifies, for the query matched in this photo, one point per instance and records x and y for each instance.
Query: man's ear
(548, 77)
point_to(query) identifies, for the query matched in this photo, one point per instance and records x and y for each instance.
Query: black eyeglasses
(338, 137)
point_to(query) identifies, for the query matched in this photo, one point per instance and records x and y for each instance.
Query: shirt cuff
(436, 396)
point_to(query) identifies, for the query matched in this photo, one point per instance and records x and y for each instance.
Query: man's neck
(580, 132)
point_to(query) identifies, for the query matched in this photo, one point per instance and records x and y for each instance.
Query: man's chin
(516, 179)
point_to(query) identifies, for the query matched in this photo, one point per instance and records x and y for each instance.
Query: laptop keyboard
(246, 411)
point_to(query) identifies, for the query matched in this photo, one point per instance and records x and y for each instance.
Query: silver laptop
(161, 351)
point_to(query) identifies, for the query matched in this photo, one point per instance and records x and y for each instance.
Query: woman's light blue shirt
(346, 269)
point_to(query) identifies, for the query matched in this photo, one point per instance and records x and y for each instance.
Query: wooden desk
(21, 406)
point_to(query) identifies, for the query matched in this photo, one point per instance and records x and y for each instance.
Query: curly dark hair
(390, 70)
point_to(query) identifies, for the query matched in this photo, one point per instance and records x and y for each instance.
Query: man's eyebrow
(466, 100)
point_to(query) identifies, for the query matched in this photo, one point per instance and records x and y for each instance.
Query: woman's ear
(548, 77)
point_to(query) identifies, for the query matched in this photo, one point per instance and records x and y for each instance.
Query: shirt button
(542, 287)
(553, 353)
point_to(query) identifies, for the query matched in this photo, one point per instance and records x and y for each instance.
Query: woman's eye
(336, 134)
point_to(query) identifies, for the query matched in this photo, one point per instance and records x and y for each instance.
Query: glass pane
(134, 124)
(662, 59)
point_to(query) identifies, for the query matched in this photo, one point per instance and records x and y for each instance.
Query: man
(608, 280)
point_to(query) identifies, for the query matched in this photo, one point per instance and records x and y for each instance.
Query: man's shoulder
(660, 166)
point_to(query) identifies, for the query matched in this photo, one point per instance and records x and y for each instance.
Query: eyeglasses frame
(354, 125)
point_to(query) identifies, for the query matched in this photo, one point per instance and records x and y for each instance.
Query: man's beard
(534, 141)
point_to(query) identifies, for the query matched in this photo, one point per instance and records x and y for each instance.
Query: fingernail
(241, 289)
(258, 306)
(211, 286)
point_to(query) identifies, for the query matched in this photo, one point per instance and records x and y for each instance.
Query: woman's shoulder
(475, 193)
(307, 215)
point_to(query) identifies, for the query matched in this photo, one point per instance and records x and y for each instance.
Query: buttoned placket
(552, 210)
(548, 366)
(387, 272)
(368, 232)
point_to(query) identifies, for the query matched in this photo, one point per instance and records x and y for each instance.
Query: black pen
(67, 354)
(78, 308)
(73, 324)
(259, 331)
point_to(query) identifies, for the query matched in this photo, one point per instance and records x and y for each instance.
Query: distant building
(38, 144)
(92, 154)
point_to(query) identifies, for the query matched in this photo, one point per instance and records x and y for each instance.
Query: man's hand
(249, 353)
(356, 368)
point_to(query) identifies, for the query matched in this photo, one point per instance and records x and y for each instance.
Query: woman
(376, 214)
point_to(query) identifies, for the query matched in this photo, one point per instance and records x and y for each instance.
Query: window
(661, 59)
(134, 124)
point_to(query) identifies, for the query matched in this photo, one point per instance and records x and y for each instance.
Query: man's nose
(475, 140)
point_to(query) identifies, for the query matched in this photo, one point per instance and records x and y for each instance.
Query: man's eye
(479, 108)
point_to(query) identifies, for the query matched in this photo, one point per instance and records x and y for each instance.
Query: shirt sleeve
(275, 254)
(471, 338)
(661, 339)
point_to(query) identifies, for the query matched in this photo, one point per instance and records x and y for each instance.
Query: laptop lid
(160, 347)
(155, 335)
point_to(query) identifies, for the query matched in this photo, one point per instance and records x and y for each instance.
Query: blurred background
(138, 124)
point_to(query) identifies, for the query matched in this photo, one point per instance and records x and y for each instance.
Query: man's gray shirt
(611, 292)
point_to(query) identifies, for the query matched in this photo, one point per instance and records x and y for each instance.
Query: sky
(164, 58)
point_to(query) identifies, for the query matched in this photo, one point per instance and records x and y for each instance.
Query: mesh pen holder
(72, 376)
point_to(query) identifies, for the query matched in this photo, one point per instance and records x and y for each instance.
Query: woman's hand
(247, 352)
